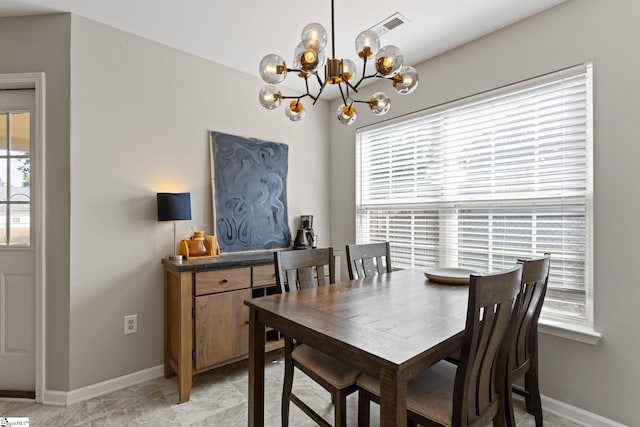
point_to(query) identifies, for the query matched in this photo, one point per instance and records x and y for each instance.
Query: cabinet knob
(225, 280)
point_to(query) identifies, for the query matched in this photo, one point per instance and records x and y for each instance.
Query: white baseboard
(576, 414)
(55, 398)
(62, 398)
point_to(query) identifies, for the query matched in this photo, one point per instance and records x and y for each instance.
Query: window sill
(580, 333)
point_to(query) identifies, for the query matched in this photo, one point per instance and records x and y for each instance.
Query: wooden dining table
(391, 326)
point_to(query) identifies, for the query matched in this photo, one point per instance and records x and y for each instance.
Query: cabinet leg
(184, 387)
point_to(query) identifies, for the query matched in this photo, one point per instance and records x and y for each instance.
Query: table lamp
(174, 207)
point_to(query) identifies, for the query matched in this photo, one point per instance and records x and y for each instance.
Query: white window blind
(484, 181)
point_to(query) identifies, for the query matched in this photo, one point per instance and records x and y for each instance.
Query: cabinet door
(221, 328)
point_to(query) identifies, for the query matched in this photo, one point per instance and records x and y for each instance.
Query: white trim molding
(581, 333)
(576, 414)
(62, 398)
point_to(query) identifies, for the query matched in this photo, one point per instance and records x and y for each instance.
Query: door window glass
(15, 179)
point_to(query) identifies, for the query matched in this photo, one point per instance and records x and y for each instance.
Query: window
(15, 179)
(481, 182)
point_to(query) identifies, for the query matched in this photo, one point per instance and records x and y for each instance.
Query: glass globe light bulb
(273, 69)
(314, 36)
(346, 114)
(270, 97)
(379, 103)
(406, 80)
(295, 111)
(310, 56)
(367, 44)
(389, 59)
(308, 59)
(348, 70)
(297, 54)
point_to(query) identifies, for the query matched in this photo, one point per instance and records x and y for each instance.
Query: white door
(17, 260)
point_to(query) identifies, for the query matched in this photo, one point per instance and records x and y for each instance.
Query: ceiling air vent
(392, 22)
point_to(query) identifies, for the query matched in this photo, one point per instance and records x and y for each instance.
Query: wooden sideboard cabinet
(206, 323)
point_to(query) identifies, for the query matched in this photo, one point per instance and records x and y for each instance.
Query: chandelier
(309, 60)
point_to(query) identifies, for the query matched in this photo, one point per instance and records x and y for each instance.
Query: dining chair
(300, 269)
(472, 392)
(523, 360)
(368, 259)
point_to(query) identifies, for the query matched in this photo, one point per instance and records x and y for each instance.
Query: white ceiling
(239, 33)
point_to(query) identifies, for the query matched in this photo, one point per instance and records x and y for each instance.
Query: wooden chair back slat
(306, 278)
(368, 259)
(291, 283)
(301, 269)
(535, 276)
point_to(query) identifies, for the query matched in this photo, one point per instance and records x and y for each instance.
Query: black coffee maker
(305, 239)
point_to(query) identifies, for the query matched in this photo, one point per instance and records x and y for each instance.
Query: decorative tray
(449, 275)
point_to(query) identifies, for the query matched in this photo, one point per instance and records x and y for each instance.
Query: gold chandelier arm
(299, 97)
(354, 88)
(319, 93)
(344, 97)
(364, 70)
(368, 77)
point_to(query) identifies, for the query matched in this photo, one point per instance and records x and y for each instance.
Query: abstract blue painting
(250, 193)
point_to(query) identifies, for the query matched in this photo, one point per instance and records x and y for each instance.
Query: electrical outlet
(131, 324)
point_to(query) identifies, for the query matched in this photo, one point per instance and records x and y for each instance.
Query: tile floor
(218, 398)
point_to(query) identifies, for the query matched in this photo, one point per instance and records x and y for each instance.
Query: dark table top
(390, 319)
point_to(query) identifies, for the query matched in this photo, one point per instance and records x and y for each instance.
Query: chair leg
(502, 418)
(508, 407)
(363, 409)
(340, 408)
(288, 381)
(532, 399)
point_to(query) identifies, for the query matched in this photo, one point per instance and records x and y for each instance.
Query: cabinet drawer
(209, 282)
(264, 275)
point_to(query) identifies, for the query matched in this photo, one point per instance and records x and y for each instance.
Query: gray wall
(140, 115)
(600, 378)
(41, 44)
